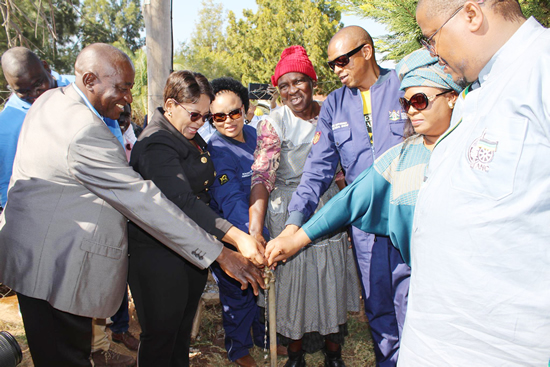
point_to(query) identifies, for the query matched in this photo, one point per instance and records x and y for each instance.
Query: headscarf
(420, 69)
(293, 59)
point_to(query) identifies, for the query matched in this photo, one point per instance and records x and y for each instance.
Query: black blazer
(182, 172)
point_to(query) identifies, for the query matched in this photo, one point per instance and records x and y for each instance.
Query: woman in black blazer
(167, 288)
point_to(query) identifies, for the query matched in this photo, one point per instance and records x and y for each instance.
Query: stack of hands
(246, 266)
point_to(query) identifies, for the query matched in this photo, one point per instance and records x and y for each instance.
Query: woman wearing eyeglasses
(382, 199)
(167, 288)
(232, 150)
(312, 288)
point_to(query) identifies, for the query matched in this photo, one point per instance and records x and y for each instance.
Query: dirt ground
(208, 348)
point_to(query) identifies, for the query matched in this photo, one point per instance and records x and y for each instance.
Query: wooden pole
(158, 37)
(272, 321)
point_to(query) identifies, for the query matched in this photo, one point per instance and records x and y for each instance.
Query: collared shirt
(11, 120)
(480, 288)
(111, 124)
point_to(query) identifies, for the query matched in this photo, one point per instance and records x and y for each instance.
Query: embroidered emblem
(339, 125)
(395, 116)
(403, 115)
(316, 137)
(481, 153)
(223, 179)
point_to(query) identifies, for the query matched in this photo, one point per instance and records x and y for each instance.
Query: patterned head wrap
(420, 69)
(293, 59)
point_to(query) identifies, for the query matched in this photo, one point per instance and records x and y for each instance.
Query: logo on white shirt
(481, 153)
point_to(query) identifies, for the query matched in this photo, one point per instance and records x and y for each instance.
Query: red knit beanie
(293, 59)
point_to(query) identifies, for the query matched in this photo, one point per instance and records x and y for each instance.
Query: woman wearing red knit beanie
(314, 292)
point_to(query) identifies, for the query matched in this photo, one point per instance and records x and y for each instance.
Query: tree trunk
(158, 32)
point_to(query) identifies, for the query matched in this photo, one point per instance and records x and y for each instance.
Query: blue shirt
(11, 120)
(233, 163)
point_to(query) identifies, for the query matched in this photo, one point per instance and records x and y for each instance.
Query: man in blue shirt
(28, 77)
(357, 124)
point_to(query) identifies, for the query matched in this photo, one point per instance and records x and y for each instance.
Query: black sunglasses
(221, 117)
(195, 116)
(343, 60)
(419, 101)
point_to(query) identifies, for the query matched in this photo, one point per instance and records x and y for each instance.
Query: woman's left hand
(247, 245)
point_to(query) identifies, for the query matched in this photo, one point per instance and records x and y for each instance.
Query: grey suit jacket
(63, 231)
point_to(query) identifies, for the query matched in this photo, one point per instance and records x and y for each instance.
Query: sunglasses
(195, 116)
(419, 101)
(221, 117)
(343, 60)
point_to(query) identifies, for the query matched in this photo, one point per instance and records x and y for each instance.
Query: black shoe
(296, 359)
(333, 359)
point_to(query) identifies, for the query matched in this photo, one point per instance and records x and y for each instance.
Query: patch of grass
(356, 352)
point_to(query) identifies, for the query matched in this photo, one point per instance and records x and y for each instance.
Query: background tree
(206, 52)
(117, 22)
(249, 48)
(46, 27)
(540, 9)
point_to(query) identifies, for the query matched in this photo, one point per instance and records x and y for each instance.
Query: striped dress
(318, 286)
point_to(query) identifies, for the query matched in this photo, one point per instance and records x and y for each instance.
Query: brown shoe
(110, 358)
(127, 339)
(246, 361)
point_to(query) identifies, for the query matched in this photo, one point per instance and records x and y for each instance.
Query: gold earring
(451, 105)
(169, 113)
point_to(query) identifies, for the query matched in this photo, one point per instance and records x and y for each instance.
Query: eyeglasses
(419, 101)
(195, 116)
(428, 42)
(343, 60)
(221, 117)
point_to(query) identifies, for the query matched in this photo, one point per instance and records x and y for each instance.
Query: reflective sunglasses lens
(195, 116)
(218, 117)
(419, 101)
(339, 61)
(235, 114)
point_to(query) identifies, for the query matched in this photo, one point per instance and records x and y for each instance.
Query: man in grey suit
(63, 231)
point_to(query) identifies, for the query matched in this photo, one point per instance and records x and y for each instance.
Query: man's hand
(281, 248)
(240, 269)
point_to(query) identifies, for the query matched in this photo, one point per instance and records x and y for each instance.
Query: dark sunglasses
(419, 101)
(343, 60)
(221, 117)
(195, 116)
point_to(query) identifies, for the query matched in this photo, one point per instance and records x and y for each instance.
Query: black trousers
(55, 338)
(166, 290)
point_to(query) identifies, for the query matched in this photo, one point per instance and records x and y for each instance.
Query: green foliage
(117, 22)
(139, 92)
(206, 51)
(540, 9)
(56, 30)
(399, 18)
(250, 47)
(46, 27)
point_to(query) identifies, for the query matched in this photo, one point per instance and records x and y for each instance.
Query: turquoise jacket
(381, 200)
